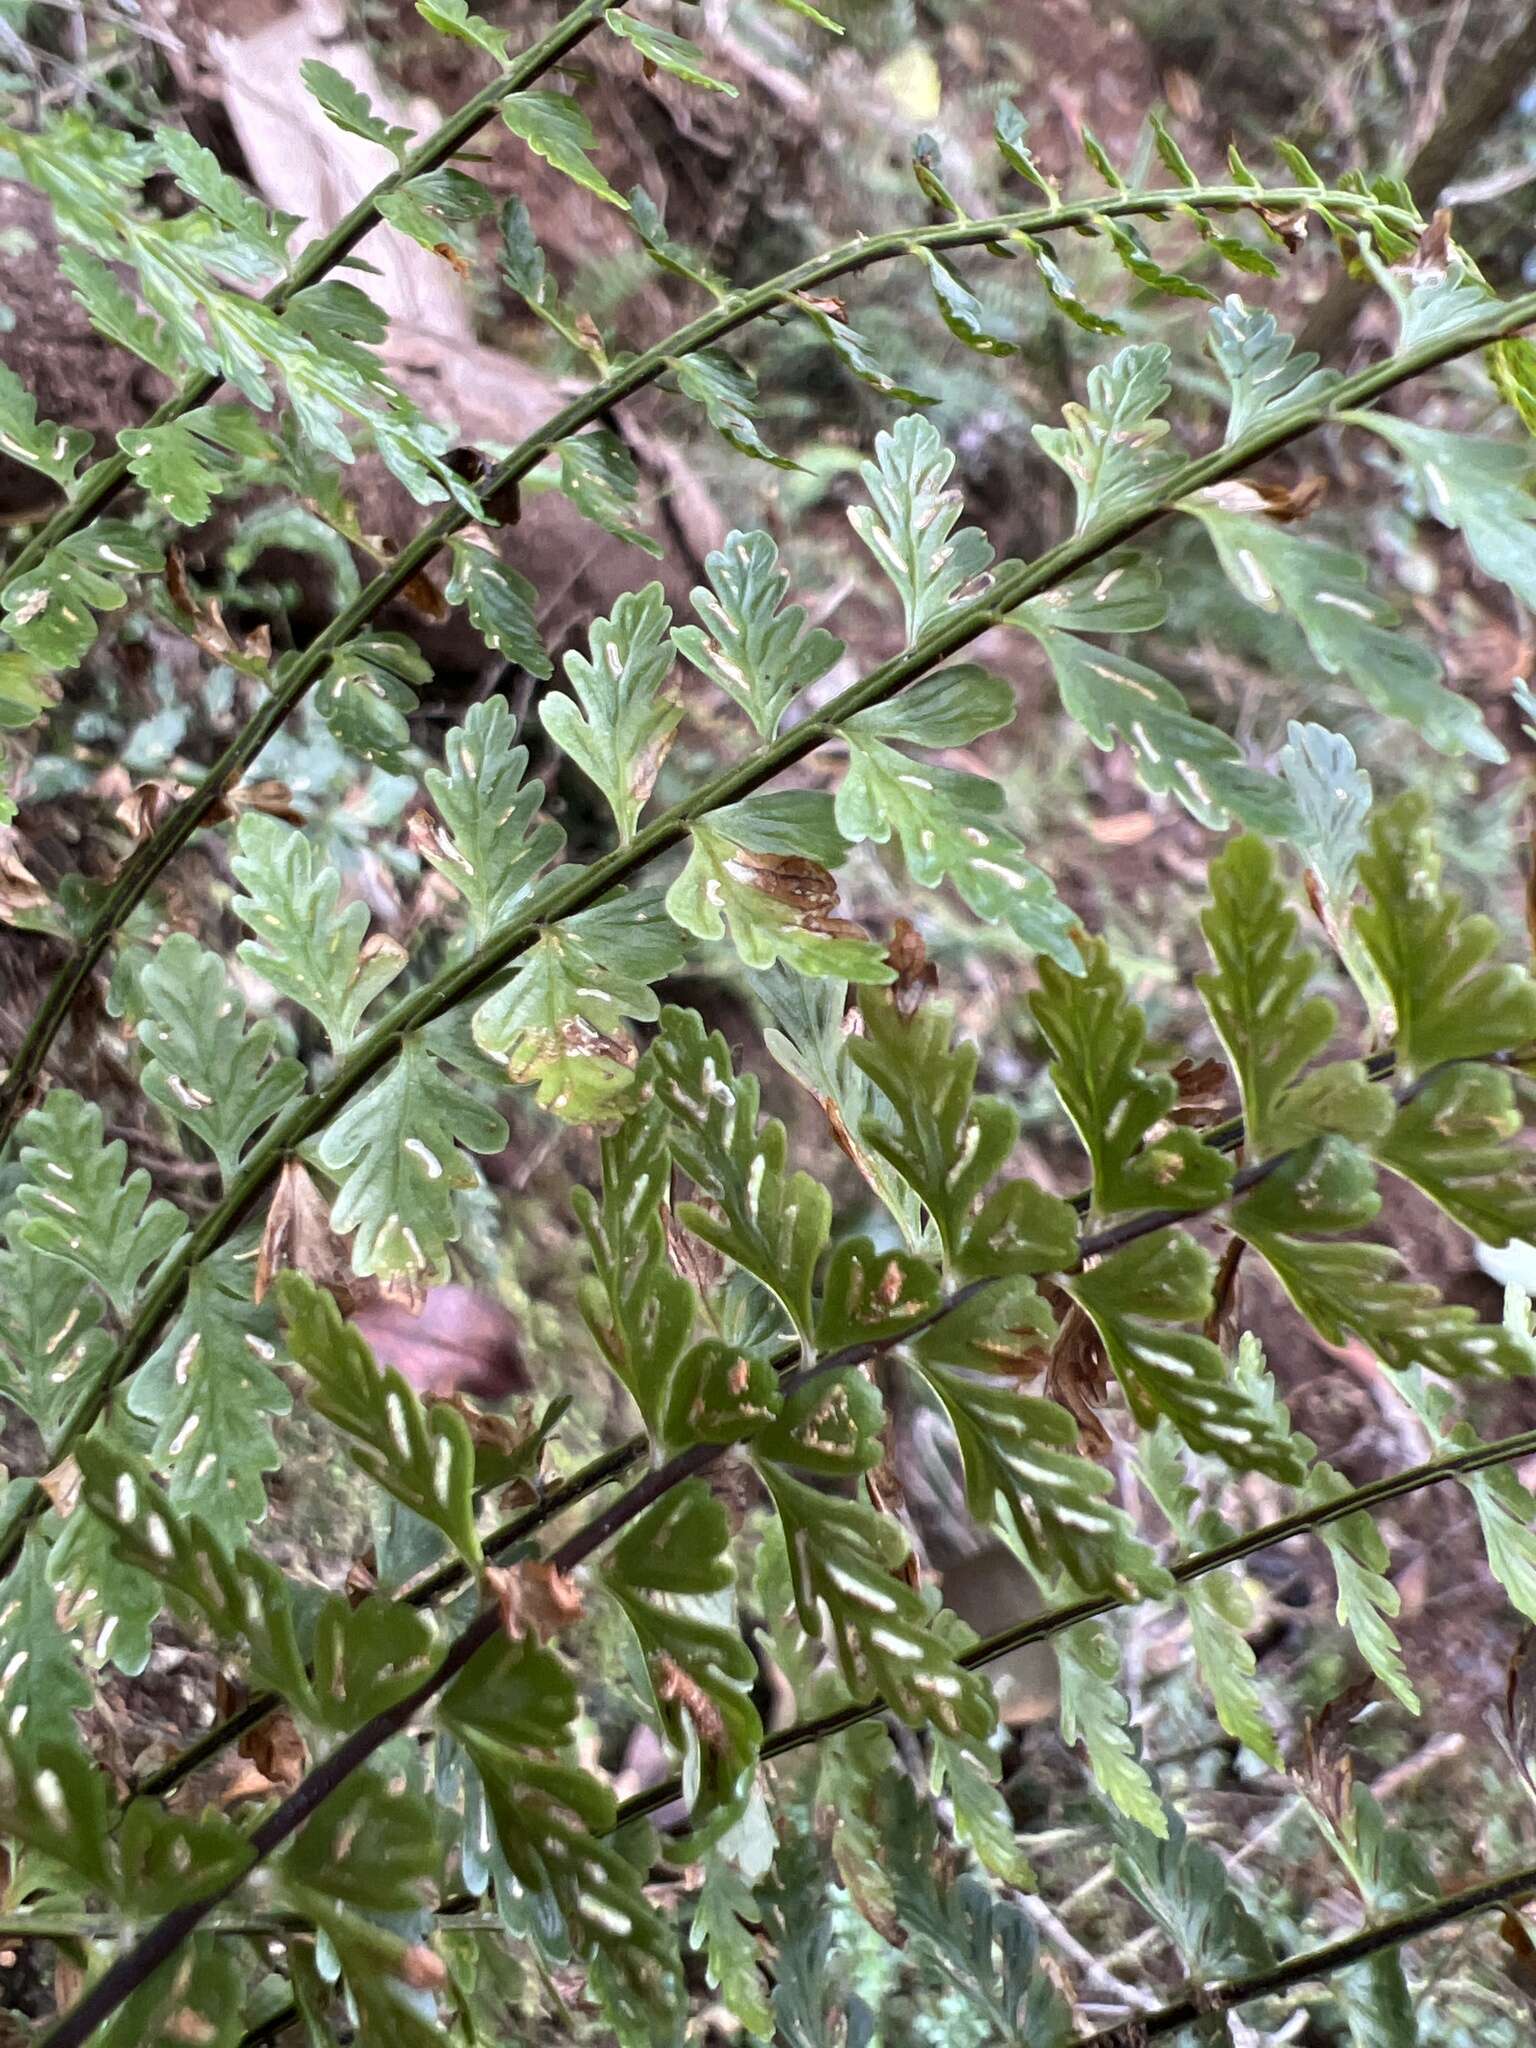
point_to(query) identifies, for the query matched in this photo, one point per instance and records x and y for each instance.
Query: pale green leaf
(963, 313)
(671, 1573)
(308, 949)
(555, 128)
(845, 1559)
(1113, 697)
(728, 394)
(351, 110)
(667, 52)
(752, 646)
(619, 725)
(398, 1153)
(214, 1076)
(455, 18)
(772, 1223)
(909, 524)
(55, 452)
(559, 1020)
(1349, 630)
(186, 463)
(1140, 1301)
(75, 1205)
(41, 1684)
(1111, 447)
(598, 475)
(211, 1392)
(490, 848)
(48, 610)
(1451, 1000)
(1263, 374)
(1097, 1034)
(1095, 1712)
(422, 1455)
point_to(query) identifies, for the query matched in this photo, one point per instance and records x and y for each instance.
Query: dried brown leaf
(534, 1598)
(1326, 1772)
(422, 1968)
(1290, 227)
(508, 1434)
(1220, 1322)
(195, 2028)
(697, 1262)
(1077, 1376)
(266, 794)
(20, 890)
(916, 975)
(206, 627)
(674, 1684)
(277, 1749)
(147, 806)
(423, 594)
(647, 764)
(1202, 1086)
(62, 1486)
(1284, 504)
(244, 1780)
(1520, 1964)
(1520, 1705)
(805, 885)
(1433, 254)
(298, 1238)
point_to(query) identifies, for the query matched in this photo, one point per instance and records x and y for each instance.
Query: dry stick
(1481, 94)
(102, 482)
(735, 310)
(1317, 1962)
(1011, 587)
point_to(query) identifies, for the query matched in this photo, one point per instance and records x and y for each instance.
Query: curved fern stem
(736, 310)
(106, 478)
(469, 978)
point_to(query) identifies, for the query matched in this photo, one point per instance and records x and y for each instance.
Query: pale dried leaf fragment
(917, 977)
(277, 1750)
(675, 1685)
(534, 1598)
(1284, 504)
(422, 1968)
(20, 890)
(298, 1238)
(62, 1486)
